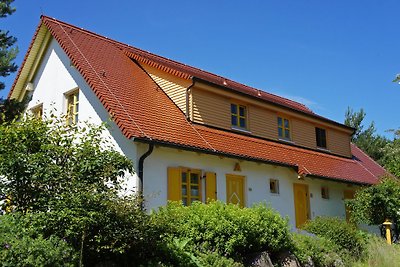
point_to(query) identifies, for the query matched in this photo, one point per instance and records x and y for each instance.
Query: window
(239, 116)
(324, 192)
(37, 111)
(72, 107)
(320, 135)
(284, 128)
(191, 186)
(274, 186)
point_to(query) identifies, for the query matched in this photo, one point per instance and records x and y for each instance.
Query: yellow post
(387, 225)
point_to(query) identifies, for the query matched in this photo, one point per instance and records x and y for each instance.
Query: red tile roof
(143, 111)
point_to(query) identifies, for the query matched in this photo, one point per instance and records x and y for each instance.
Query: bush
(345, 235)
(320, 250)
(225, 228)
(21, 245)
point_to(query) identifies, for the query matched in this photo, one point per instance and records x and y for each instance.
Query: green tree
(8, 51)
(67, 182)
(374, 204)
(9, 109)
(366, 139)
(391, 159)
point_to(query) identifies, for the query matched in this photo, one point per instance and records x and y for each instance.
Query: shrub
(345, 235)
(23, 246)
(320, 250)
(225, 229)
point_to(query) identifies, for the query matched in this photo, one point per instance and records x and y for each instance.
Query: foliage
(321, 251)
(379, 254)
(20, 245)
(391, 159)
(67, 181)
(225, 229)
(7, 51)
(366, 139)
(9, 108)
(345, 235)
(374, 204)
(42, 163)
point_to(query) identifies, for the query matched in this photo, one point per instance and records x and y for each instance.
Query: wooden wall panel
(173, 86)
(211, 109)
(339, 143)
(262, 122)
(303, 133)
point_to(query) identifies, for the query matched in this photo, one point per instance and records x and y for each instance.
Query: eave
(30, 63)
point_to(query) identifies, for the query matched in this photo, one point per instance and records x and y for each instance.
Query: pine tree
(9, 108)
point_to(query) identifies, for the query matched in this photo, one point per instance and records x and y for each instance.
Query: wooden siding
(173, 86)
(303, 133)
(213, 109)
(338, 142)
(263, 122)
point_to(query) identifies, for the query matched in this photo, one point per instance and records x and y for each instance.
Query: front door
(348, 194)
(235, 189)
(301, 203)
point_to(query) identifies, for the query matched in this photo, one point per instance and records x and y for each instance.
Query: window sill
(286, 141)
(240, 130)
(323, 149)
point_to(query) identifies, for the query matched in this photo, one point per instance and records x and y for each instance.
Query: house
(191, 134)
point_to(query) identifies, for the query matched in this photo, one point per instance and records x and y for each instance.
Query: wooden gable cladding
(211, 106)
(172, 85)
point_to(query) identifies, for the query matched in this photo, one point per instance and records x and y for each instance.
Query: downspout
(187, 99)
(141, 162)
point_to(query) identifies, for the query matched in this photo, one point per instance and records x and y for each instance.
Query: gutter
(187, 99)
(141, 170)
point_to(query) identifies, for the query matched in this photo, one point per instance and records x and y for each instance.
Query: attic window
(284, 128)
(238, 116)
(72, 104)
(274, 186)
(320, 135)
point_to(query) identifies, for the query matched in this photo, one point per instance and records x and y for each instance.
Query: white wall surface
(54, 78)
(256, 182)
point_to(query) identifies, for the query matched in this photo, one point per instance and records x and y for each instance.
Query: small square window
(274, 186)
(324, 192)
(37, 111)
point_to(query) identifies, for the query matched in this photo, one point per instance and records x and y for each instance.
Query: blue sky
(326, 54)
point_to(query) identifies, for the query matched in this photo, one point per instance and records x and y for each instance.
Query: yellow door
(348, 194)
(301, 203)
(235, 189)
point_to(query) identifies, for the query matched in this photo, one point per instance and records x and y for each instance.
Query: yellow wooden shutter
(174, 184)
(211, 186)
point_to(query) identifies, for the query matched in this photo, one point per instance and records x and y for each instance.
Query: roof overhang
(31, 62)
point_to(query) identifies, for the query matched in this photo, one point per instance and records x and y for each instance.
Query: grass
(380, 254)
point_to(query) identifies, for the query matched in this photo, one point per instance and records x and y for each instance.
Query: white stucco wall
(54, 78)
(256, 182)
